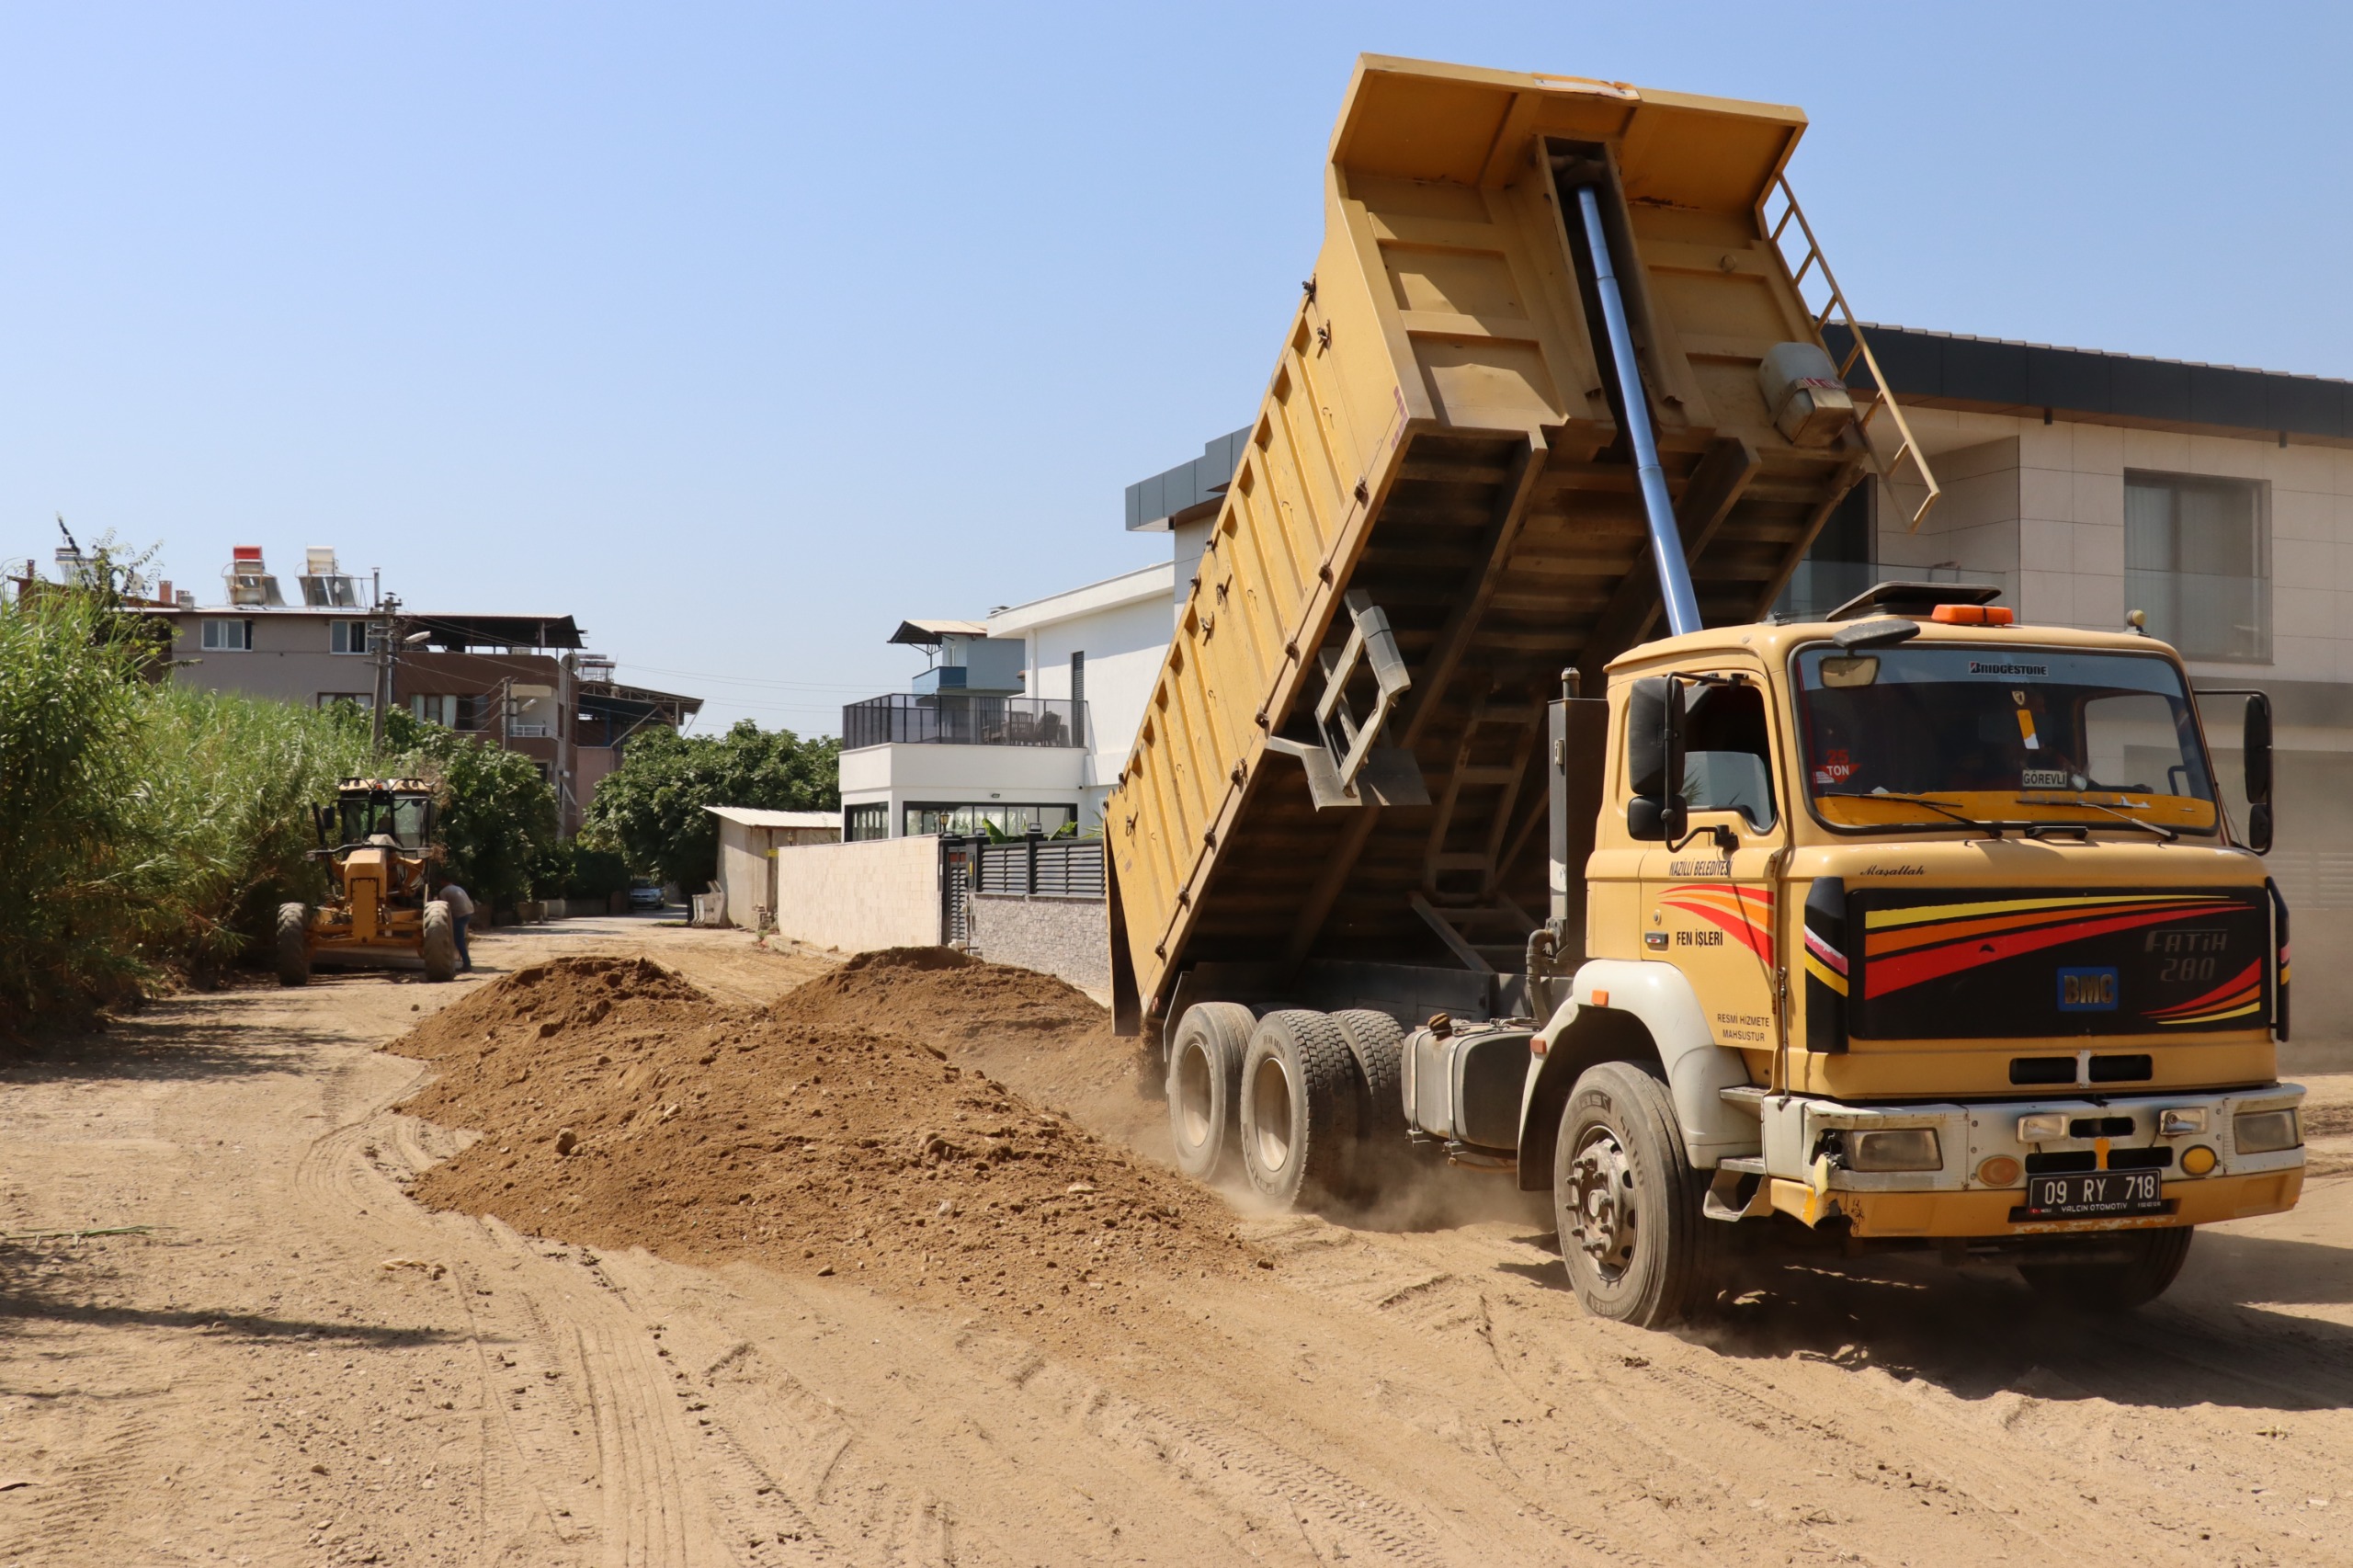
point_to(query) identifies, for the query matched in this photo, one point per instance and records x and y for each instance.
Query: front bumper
(1806, 1178)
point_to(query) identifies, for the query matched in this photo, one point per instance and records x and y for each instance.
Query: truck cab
(1935, 930)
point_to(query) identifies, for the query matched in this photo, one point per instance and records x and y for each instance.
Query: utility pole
(382, 628)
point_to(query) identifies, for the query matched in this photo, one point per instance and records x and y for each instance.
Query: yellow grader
(377, 842)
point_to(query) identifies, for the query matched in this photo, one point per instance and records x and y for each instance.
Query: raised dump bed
(1438, 513)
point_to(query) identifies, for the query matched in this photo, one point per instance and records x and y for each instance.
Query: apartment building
(523, 682)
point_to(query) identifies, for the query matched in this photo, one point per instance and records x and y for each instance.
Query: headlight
(2042, 1127)
(2181, 1121)
(1896, 1149)
(2266, 1132)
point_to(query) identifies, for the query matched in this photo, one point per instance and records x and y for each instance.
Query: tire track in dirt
(1699, 1415)
(808, 1401)
(630, 1486)
(68, 1520)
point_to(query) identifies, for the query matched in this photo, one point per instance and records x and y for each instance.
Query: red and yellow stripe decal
(2240, 994)
(1745, 912)
(1906, 947)
(1826, 963)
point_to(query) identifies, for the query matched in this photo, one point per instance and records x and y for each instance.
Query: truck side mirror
(2257, 751)
(1674, 812)
(1654, 712)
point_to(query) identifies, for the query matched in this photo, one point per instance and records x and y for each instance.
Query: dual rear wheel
(1304, 1104)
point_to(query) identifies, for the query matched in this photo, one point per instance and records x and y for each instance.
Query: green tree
(651, 808)
(497, 815)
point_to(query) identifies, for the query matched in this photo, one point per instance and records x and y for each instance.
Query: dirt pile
(621, 1106)
(1049, 1040)
(949, 1000)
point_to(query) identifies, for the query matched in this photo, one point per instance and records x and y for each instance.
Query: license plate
(2090, 1194)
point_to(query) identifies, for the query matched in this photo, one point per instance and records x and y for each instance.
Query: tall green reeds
(148, 830)
(75, 867)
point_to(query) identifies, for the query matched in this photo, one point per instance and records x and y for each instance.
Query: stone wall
(881, 892)
(1068, 938)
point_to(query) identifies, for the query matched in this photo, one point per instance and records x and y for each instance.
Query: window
(867, 821)
(928, 816)
(363, 700)
(347, 637)
(227, 636)
(408, 818)
(2198, 559)
(1727, 753)
(1838, 564)
(462, 711)
(1078, 698)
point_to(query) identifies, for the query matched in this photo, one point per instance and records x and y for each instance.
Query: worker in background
(461, 910)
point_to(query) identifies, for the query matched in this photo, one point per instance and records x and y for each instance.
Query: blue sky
(742, 332)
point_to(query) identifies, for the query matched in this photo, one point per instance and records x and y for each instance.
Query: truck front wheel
(1204, 1081)
(1639, 1247)
(294, 944)
(2152, 1260)
(438, 946)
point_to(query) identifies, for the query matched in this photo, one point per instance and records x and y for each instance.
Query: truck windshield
(401, 817)
(1933, 735)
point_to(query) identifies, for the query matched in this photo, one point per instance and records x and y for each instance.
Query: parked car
(645, 895)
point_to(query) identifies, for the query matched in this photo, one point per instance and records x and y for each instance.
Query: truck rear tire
(1639, 1247)
(440, 944)
(2157, 1259)
(1381, 1150)
(294, 944)
(1300, 1093)
(1204, 1085)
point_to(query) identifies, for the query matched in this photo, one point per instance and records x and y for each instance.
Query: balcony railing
(902, 719)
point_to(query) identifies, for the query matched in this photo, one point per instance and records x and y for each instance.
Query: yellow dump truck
(1481, 807)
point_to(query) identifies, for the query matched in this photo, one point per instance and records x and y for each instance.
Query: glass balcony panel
(948, 719)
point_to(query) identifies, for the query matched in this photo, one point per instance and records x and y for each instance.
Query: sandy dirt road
(298, 1365)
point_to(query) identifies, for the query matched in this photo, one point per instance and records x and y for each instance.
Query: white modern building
(1021, 721)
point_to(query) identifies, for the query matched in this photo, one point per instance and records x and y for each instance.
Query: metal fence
(904, 719)
(1036, 867)
(955, 887)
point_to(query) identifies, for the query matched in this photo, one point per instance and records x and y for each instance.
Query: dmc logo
(2087, 990)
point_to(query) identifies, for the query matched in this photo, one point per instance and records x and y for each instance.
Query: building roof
(636, 704)
(452, 632)
(1155, 504)
(927, 633)
(1152, 583)
(754, 816)
(272, 612)
(1999, 376)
